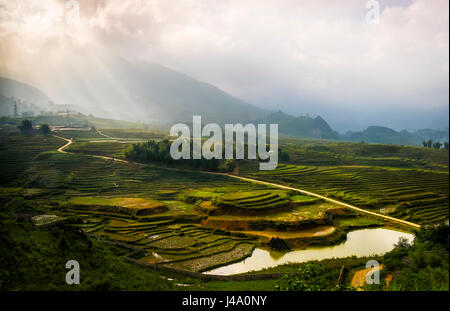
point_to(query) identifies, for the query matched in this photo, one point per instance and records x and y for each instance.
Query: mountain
(301, 126)
(385, 135)
(29, 99)
(155, 94)
(146, 92)
(6, 106)
(25, 92)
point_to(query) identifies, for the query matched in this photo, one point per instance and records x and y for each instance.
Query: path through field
(103, 134)
(360, 210)
(389, 218)
(359, 278)
(69, 142)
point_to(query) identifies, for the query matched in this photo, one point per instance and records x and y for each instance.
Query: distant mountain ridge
(25, 92)
(385, 135)
(150, 92)
(28, 98)
(302, 126)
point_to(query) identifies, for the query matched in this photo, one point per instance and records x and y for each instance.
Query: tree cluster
(437, 145)
(26, 127)
(159, 152)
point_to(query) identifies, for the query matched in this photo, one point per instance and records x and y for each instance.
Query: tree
(429, 143)
(424, 143)
(437, 145)
(446, 145)
(26, 126)
(44, 129)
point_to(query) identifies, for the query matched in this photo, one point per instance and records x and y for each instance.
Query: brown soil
(359, 278)
(318, 231)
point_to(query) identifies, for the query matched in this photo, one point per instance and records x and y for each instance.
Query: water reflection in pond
(359, 243)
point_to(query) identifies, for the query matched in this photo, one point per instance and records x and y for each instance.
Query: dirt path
(359, 278)
(69, 142)
(61, 149)
(256, 181)
(393, 219)
(103, 134)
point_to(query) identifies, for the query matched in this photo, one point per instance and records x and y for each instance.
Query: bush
(424, 265)
(309, 277)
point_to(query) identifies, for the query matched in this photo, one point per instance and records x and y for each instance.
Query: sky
(337, 59)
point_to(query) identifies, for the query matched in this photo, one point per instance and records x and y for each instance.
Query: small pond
(359, 243)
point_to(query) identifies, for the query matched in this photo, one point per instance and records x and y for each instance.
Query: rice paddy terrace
(415, 195)
(195, 221)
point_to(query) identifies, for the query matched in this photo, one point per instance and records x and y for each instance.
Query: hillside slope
(385, 135)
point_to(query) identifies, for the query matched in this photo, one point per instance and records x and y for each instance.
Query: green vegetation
(193, 221)
(34, 257)
(437, 145)
(104, 148)
(81, 135)
(255, 200)
(44, 129)
(422, 266)
(309, 277)
(17, 153)
(26, 127)
(110, 206)
(405, 182)
(159, 152)
(135, 134)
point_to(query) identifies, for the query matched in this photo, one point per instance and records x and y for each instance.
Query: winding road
(69, 142)
(270, 184)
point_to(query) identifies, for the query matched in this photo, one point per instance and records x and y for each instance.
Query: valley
(191, 222)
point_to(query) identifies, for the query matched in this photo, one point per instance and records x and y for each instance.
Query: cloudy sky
(300, 56)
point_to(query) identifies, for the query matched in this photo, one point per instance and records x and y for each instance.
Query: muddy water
(359, 243)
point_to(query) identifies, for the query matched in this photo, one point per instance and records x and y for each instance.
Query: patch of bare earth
(359, 278)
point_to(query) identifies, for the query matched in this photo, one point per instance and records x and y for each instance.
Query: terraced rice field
(104, 148)
(412, 194)
(17, 152)
(118, 205)
(131, 134)
(255, 200)
(194, 221)
(80, 135)
(328, 153)
(182, 246)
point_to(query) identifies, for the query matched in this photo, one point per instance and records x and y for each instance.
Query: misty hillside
(385, 135)
(154, 94)
(6, 106)
(177, 97)
(147, 92)
(29, 99)
(25, 92)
